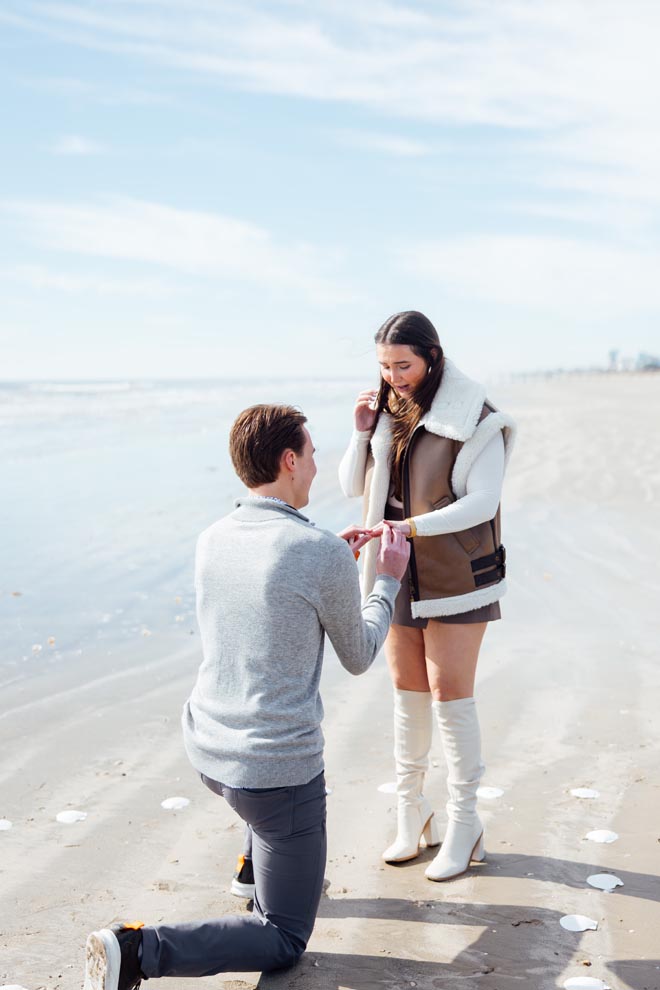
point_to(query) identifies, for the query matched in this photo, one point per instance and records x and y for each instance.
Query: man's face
(305, 472)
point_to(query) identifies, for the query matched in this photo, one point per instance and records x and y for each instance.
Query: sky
(201, 188)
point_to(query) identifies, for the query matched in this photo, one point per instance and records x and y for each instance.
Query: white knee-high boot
(413, 732)
(461, 742)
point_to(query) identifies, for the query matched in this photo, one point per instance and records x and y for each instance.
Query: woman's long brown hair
(418, 333)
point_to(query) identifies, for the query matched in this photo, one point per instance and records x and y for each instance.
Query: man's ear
(288, 460)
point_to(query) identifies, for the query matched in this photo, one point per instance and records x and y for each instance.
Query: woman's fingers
(356, 536)
(365, 411)
(401, 526)
(361, 541)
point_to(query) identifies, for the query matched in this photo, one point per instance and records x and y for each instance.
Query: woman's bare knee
(450, 692)
(452, 652)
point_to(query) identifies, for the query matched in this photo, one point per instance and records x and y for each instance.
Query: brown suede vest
(453, 563)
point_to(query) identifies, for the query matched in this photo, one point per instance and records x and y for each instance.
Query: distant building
(647, 362)
(643, 362)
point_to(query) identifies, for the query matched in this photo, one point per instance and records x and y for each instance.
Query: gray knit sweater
(269, 586)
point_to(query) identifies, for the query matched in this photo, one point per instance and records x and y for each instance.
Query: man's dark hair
(258, 439)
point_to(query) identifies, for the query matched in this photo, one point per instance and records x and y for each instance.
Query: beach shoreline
(567, 691)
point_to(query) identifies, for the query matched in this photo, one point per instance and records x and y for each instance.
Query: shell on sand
(604, 881)
(387, 788)
(71, 817)
(585, 983)
(175, 803)
(489, 793)
(578, 923)
(601, 835)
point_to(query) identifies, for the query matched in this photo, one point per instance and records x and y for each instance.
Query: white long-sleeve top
(478, 505)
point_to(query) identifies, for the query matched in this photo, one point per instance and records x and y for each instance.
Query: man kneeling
(269, 586)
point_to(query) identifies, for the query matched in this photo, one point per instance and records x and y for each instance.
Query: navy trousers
(288, 854)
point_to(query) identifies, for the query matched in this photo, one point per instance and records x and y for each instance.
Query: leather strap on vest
(491, 568)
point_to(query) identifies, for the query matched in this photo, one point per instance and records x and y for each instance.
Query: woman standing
(429, 452)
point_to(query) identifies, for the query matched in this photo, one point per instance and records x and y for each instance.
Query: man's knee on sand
(291, 949)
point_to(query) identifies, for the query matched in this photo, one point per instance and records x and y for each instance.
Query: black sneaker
(242, 882)
(112, 959)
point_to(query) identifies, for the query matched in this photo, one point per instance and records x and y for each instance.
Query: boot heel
(431, 834)
(479, 852)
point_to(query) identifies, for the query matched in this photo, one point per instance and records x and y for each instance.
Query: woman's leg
(452, 652)
(413, 729)
(406, 658)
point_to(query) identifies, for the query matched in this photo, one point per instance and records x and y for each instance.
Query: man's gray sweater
(269, 586)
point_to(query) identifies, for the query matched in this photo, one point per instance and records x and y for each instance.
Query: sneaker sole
(102, 961)
(245, 890)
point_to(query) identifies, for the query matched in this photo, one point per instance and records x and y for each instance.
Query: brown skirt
(402, 611)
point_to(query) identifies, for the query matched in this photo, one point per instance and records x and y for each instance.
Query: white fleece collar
(456, 407)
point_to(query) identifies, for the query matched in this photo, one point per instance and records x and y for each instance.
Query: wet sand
(567, 688)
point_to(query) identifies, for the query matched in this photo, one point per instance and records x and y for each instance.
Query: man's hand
(394, 553)
(357, 537)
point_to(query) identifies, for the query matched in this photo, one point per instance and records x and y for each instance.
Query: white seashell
(585, 792)
(601, 835)
(71, 817)
(388, 788)
(604, 881)
(578, 923)
(175, 803)
(5, 824)
(489, 793)
(585, 983)
(328, 790)
(37, 648)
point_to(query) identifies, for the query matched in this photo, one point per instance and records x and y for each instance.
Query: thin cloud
(577, 78)
(555, 274)
(387, 144)
(194, 243)
(82, 90)
(41, 278)
(77, 146)
(511, 63)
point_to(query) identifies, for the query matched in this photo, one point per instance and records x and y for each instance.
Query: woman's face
(401, 367)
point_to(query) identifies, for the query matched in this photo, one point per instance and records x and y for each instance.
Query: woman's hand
(400, 525)
(364, 412)
(357, 537)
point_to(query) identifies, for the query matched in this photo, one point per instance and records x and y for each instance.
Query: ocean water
(104, 490)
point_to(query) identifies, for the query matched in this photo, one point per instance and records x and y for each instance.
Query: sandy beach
(568, 689)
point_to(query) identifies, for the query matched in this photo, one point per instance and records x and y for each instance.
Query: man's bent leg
(289, 874)
(289, 853)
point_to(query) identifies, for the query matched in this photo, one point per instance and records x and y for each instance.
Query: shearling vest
(453, 572)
